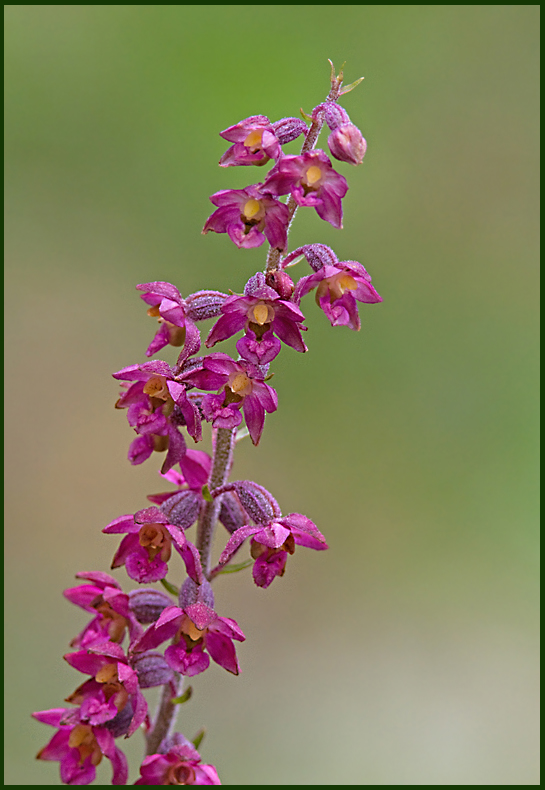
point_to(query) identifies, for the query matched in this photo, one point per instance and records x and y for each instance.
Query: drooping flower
(311, 180)
(264, 316)
(103, 597)
(339, 287)
(112, 689)
(255, 142)
(194, 629)
(177, 316)
(272, 542)
(345, 142)
(179, 763)
(147, 547)
(79, 748)
(157, 404)
(167, 305)
(241, 385)
(248, 216)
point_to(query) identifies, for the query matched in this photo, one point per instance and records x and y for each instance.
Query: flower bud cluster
(146, 638)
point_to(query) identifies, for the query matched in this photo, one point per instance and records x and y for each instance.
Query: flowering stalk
(171, 637)
(311, 138)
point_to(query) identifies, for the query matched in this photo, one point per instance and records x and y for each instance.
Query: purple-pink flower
(240, 384)
(146, 549)
(79, 748)
(271, 543)
(311, 180)
(255, 142)
(339, 287)
(157, 404)
(265, 317)
(179, 763)
(112, 688)
(103, 597)
(167, 305)
(248, 216)
(193, 630)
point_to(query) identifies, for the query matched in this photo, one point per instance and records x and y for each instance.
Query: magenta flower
(339, 287)
(264, 316)
(104, 598)
(167, 305)
(311, 180)
(79, 748)
(248, 216)
(146, 550)
(157, 404)
(271, 543)
(240, 384)
(179, 764)
(255, 142)
(194, 629)
(177, 316)
(113, 688)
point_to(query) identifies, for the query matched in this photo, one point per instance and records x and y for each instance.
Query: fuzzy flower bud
(259, 504)
(347, 144)
(288, 129)
(191, 592)
(147, 605)
(152, 670)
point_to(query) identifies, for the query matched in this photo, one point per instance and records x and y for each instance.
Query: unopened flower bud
(120, 724)
(191, 593)
(259, 503)
(288, 129)
(282, 284)
(232, 514)
(204, 304)
(335, 115)
(347, 144)
(147, 605)
(319, 255)
(152, 670)
(182, 509)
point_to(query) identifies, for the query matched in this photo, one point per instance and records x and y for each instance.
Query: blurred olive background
(407, 653)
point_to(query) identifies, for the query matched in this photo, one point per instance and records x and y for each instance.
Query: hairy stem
(221, 464)
(311, 138)
(165, 718)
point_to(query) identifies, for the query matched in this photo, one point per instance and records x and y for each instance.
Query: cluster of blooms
(166, 405)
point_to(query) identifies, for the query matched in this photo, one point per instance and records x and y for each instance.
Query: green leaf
(197, 740)
(241, 434)
(351, 86)
(294, 261)
(170, 587)
(206, 495)
(237, 567)
(183, 697)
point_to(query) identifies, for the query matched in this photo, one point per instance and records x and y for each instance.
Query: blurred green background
(407, 653)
